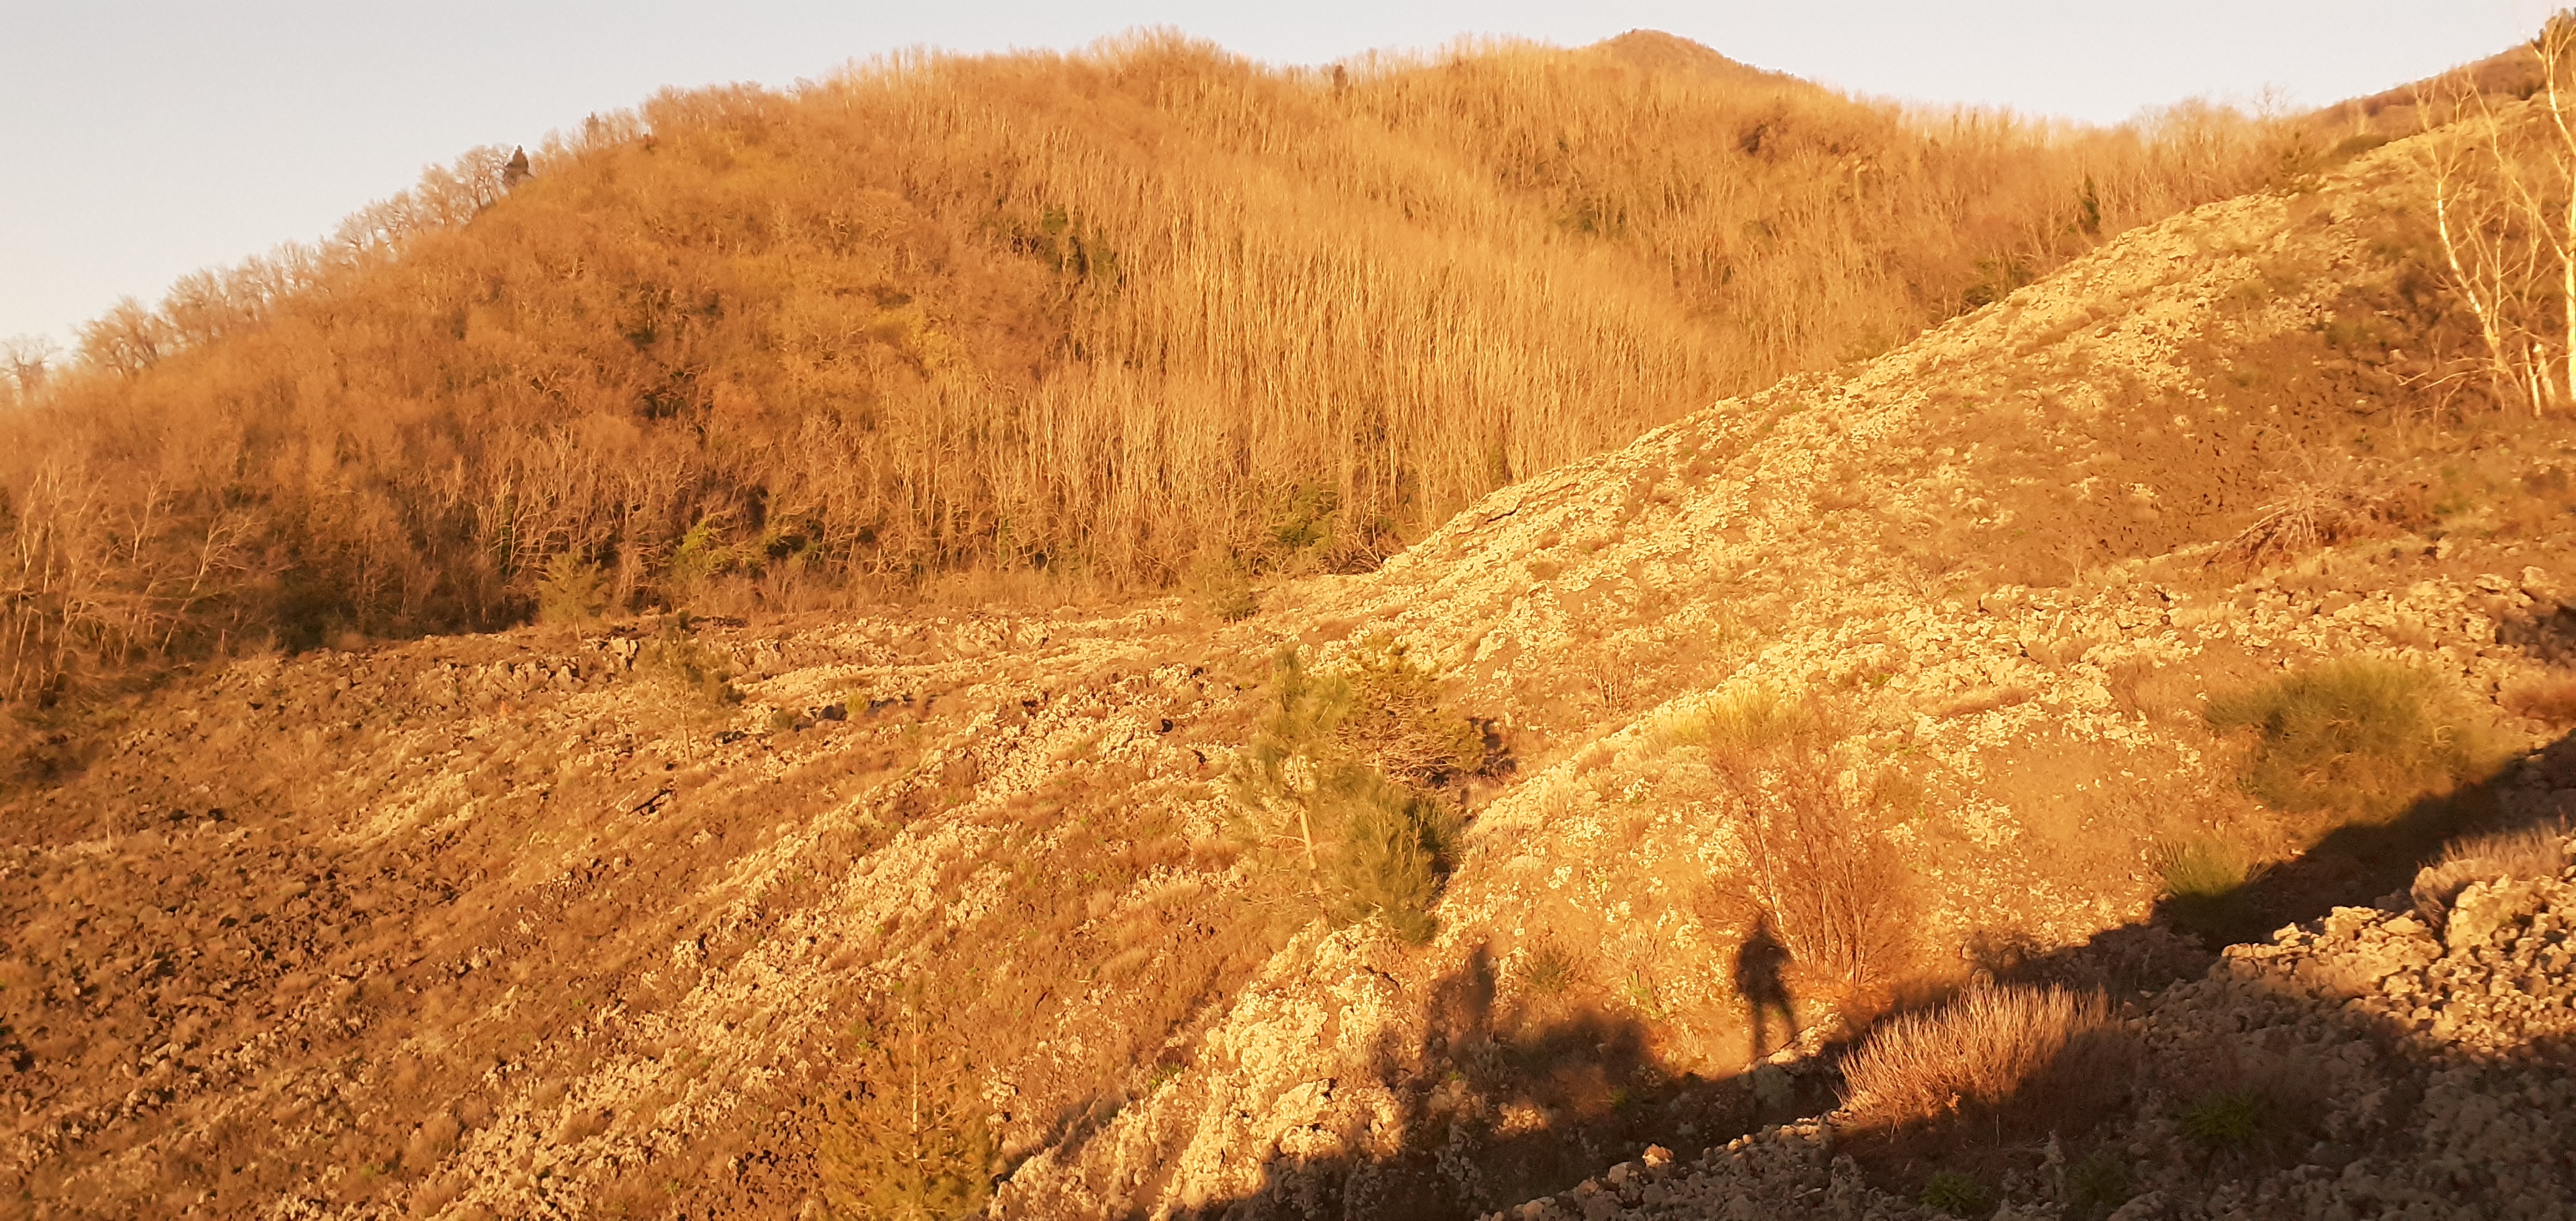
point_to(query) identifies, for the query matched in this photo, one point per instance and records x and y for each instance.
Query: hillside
(1142, 317)
(2383, 1028)
(1992, 656)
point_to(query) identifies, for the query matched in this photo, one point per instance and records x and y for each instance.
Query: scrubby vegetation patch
(2356, 739)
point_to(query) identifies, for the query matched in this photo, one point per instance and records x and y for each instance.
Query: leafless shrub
(2502, 178)
(1839, 891)
(2049, 1055)
(2310, 516)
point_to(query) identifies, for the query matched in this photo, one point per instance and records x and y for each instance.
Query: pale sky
(141, 141)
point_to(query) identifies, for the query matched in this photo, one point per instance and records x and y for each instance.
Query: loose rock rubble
(2410, 1070)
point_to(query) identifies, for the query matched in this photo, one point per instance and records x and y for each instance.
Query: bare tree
(25, 360)
(2504, 208)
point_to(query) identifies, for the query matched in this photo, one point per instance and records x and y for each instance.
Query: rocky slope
(2007, 550)
(569, 924)
(2429, 1058)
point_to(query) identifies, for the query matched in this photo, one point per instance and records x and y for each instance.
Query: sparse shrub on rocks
(2531, 852)
(2226, 1119)
(2204, 878)
(2035, 1059)
(1335, 788)
(2357, 739)
(2097, 1185)
(694, 670)
(571, 590)
(1224, 589)
(1957, 1194)
(2312, 515)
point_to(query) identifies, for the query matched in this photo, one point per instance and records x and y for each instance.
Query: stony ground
(1887, 538)
(564, 923)
(2423, 1067)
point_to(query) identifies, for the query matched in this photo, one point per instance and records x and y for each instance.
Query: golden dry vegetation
(1117, 317)
(2212, 581)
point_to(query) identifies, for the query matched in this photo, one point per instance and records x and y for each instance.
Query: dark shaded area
(2353, 866)
(1606, 1096)
(2547, 632)
(1590, 1070)
(2248, 1103)
(2362, 863)
(1758, 963)
(2255, 1099)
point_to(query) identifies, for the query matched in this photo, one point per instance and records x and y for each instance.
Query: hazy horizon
(159, 139)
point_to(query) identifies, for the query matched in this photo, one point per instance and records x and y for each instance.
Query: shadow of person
(1758, 963)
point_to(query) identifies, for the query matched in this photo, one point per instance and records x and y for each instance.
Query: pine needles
(906, 1138)
(1336, 790)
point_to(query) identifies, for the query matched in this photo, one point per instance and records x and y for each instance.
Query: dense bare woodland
(1119, 318)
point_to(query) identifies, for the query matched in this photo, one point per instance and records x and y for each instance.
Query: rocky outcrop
(2390, 1068)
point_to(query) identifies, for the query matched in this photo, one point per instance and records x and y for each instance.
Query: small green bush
(1334, 786)
(1551, 968)
(2225, 1119)
(1392, 715)
(1233, 602)
(2097, 1185)
(1387, 864)
(1224, 589)
(905, 1139)
(1959, 1195)
(2204, 882)
(571, 591)
(691, 668)
(2203, 868)
(2359, 739)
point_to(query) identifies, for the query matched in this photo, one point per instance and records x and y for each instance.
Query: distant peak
(1657, 51)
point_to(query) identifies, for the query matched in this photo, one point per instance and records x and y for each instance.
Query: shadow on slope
(2352, 866)
(1504, 1101)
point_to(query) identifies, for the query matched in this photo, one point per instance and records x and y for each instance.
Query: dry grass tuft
(2359, 739)
(1550, 968)
(2550, 700)
(2532, 852)
(2048, 1056)
(2204, 880)
(1739, 721)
